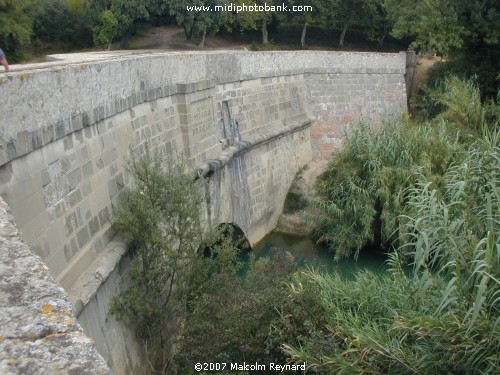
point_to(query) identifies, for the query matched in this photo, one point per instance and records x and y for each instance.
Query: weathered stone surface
(38, 332)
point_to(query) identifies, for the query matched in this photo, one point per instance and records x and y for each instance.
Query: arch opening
(236, 235)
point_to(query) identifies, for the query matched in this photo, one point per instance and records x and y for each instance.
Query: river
(307, 253)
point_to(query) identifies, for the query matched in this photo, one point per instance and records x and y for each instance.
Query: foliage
(435, 24)
(160, 219)
(255, 20)
(105, 29)
(52, 20)
(348, 13)
(314, 17)
(363, 191)
(198, 22)
(377, 24)
(118, 18)
(465, 32)
(16, 26)
(393, 324)
(441, 318)
(457, 101)
(230, 317)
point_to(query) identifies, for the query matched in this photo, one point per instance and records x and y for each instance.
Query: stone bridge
(246, 120)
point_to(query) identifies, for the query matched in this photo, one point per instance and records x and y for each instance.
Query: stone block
(104, 216)
(74, 178)
(87, 169)
(86, 188)
(70, 223)
(83, 236)
(74, 197)
(68, 143)
(70, 249)
(112, 188)
(6, 173)
(94, 226)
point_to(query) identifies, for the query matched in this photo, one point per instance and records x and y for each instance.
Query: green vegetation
(365, 190)
(160, 220)
(16, 24)
(430, 191)
(443, 318)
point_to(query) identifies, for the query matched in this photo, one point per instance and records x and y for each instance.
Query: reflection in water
(307, 253)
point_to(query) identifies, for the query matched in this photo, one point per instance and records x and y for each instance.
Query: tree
(307, 17)
(16, 26)
(349, 13)
(52, 21)
(160, 219)
(120, 18)
(231, 318)
(434, 25)
(259, 18)
(480, 53)
(465, 32)
(198, 17)
(105, 29)
(378, 24)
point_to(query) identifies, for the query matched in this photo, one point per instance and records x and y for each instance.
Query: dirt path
(421, 72)
(172, 38)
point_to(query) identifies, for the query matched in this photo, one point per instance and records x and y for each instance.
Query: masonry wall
(338, 100)
(241, 117)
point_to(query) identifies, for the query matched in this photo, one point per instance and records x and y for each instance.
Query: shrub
(161, 220)
(443, 317)
(363, 190)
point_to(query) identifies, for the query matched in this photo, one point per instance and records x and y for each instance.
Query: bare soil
(171, 38)
(421, 71)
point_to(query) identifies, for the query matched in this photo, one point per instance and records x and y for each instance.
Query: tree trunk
(188, 33)
(383, 33)
(342, 36)
(303, 36)
(202, 42)
(124, 41)
(265, 35)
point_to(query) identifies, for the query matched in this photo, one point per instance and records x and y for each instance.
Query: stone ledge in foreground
(38, 331)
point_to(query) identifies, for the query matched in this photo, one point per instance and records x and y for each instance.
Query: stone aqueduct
(247, 120)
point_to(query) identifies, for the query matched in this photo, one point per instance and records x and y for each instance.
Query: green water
(307, 253)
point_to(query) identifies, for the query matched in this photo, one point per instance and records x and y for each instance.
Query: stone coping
(38, 331)
(89, 282)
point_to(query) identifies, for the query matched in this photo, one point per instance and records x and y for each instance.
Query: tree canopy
(16, 25)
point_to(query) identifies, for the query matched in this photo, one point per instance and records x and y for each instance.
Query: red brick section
(325, 150)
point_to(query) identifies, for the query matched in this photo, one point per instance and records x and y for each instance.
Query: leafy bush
(363, 190)
(229, 319)
(161, 220)
(439, 200)
(443, 317)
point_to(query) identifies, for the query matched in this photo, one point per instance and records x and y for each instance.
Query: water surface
(307, 253)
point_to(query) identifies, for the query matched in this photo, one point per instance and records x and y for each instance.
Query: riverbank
(292, 221)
